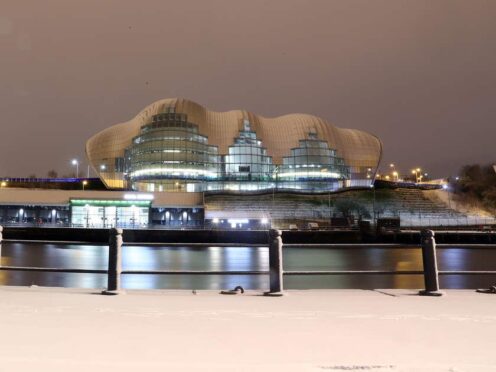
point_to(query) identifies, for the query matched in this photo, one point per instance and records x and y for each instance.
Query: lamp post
(274, 175)
(446, 187)
(373, 206)
(416, 172)
(84, 184)
(76, 163)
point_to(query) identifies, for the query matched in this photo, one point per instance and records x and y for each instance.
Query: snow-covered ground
(53, 329)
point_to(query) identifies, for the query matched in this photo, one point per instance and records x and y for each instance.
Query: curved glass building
(179, 145)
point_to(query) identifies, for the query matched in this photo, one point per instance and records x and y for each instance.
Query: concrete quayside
(207, 236)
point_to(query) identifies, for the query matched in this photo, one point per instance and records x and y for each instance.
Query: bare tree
(52, 174)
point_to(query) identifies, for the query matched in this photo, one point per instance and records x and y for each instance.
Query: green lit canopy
(110, 203)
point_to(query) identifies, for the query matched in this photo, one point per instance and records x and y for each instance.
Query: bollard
(115, 263)
(275, 264)
(431, 277)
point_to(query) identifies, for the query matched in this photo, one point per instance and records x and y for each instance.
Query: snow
(54, 329)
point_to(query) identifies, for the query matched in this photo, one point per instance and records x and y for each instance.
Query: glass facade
(34, 214)
(177, 217)
(246, 166)
(109, 213)
(170, 155)
(312, 166)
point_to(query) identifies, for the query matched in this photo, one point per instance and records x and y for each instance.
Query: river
(213, 258)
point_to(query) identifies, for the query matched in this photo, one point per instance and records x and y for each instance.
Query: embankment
(240, 236)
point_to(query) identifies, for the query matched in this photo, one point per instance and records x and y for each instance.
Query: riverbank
(384, 330)
(251, 237)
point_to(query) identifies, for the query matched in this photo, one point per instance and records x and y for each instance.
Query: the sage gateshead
(179, 145)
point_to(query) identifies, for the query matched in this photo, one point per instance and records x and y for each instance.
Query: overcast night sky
(421, 75)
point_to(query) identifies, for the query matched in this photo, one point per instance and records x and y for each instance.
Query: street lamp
(103, 167)
(416, 172)
(274, 176)
(76, 163)
(369, 176)
(395, 175)
(447, 189)
(84, 184)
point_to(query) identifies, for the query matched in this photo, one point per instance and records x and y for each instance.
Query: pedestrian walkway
(54, 329)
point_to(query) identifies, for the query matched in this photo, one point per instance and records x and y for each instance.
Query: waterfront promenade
(54, 329)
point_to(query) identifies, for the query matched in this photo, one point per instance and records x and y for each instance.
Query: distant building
(160, 164)
(178, 145)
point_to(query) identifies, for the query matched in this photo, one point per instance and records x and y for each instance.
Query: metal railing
(276, 272)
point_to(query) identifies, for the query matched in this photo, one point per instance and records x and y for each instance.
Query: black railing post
(1, 238)
(114, 263)
(431, 275)
(275, 263)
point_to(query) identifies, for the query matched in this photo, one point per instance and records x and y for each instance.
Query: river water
(215, 258)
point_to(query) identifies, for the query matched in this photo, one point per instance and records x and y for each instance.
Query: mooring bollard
(114, 263)
(431, 277)
(275, 263)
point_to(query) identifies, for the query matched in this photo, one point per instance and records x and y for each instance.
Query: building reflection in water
(239, 259)
(139, 258)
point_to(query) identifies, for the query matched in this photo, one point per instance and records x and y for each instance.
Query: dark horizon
(419, 75)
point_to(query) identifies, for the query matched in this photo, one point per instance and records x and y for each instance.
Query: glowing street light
(76, 163)
(3, 184)
(84, 183)
(416, 172)
(103, 167)
(395, 175)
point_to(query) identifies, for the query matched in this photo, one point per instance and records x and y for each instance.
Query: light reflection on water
(240, 259)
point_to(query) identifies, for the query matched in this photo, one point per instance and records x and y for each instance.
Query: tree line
(476, 184)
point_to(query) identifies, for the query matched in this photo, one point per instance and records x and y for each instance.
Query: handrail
(245, 272)
(51, 270)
